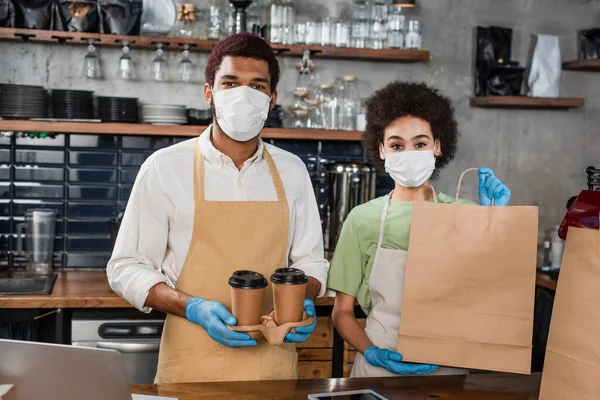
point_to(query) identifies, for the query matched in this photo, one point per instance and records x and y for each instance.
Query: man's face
(241, 71)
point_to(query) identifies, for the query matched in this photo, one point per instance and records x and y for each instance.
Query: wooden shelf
(205, 46)
(105, 128)
(527, 102)
(582, 65)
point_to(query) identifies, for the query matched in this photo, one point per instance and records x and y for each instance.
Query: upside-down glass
(91, 62)
(185, 65)
(159, 64)
(126, 68)
(395, 36)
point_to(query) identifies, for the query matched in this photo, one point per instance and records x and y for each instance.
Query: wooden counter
(545, 281)
(480, 387)
(82, 289)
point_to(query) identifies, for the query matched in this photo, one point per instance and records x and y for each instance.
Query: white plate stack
(161, 114)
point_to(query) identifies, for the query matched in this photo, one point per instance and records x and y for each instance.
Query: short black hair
(242, 45)
(400, 99)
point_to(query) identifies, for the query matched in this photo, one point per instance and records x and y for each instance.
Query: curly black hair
(400, 99)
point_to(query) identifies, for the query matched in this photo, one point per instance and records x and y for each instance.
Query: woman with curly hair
(412, 132)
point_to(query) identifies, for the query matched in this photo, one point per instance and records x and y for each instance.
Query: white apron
(386, 285)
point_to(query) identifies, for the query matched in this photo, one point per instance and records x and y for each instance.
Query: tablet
(352, 395)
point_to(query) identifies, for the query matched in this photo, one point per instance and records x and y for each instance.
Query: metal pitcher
(40, 229)
(350, 184)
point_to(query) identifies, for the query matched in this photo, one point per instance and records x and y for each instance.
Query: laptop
(59, 372)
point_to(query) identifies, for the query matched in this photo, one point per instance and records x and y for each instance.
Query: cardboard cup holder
(268, 330)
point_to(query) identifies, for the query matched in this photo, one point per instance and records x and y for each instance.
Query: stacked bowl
(72, 104)
(161, 114)
(118, 109)
(23, 102)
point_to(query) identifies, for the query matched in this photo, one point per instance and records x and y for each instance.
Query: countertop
(83, 289)
(480, 387)
(89, 289)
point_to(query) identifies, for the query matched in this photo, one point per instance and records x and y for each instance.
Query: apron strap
(198, 173)
(199, 183)
(279, 189)
(388, 199)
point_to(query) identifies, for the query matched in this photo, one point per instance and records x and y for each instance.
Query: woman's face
(408, 134)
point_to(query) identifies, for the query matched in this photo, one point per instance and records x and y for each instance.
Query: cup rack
(205, 46)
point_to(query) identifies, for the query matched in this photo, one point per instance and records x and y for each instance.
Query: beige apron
(386, 285)
(227, 236)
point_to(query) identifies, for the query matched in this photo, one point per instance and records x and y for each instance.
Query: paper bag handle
(460, 182)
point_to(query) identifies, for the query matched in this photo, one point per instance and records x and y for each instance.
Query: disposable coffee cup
(247, 296)
(289, 291)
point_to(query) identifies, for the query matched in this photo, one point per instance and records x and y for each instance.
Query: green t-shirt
(355, 250)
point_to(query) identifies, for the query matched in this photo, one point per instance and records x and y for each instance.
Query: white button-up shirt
(156, 230)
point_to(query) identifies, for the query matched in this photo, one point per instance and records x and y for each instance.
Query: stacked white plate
(162, 114)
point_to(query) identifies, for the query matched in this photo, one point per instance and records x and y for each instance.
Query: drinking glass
(159, 64)
(378, 33)
(342, 34)
(395, 36)
(300, 33)
(328, 32)
(126, 68)
(313, 33)
(185, 65)
(413, 36)
(91, 62)
(360, 23)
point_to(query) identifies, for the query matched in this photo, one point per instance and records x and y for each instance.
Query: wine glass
(91, 62)
(185, 65)
(126, 69)
(159, 64)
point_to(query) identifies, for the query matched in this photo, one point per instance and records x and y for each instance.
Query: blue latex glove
(392, 361)
(490, 188)
(212, 316)
(303, 332)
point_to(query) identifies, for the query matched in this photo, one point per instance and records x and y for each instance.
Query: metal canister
(350, 184)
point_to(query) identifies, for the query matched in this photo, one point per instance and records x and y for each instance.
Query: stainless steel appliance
(350, 184)
(39, 235)
(138, 341)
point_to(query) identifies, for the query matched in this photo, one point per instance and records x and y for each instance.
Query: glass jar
(361, 14)
(328, 105)
(349, 102)
(413, 36)
(313, 33)
(342, 33)
(395, 35)
(276, 21)
(216, 20)
(378, 32)
(328, 26)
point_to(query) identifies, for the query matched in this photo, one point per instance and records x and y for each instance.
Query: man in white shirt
(206, 207)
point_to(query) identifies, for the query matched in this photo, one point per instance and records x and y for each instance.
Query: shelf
(582, 65)
(205, 46)
(105, 128)
(527, 102)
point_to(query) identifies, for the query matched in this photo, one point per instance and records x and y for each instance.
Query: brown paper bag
(572, 363)
(470, 285)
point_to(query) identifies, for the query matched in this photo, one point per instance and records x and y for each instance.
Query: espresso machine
(39, 230)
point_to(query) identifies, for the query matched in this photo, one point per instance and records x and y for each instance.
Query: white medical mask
(410, 168)
(241, 112)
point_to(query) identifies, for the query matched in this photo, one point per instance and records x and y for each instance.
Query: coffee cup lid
(247, 280)
(289, 276)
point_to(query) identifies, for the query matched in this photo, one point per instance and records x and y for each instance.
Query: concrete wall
(541, 155)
